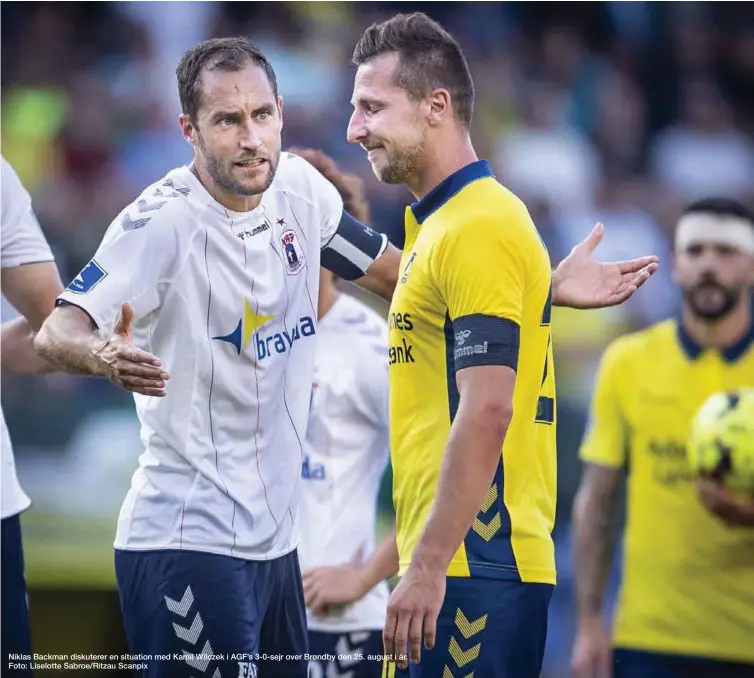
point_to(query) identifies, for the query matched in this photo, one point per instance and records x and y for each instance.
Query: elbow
(494, 416)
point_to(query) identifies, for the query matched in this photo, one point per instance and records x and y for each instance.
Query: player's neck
(231, 201)
(442, 160)
(327, 298)
(720, 333)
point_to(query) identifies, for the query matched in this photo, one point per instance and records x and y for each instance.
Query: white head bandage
(704, 227)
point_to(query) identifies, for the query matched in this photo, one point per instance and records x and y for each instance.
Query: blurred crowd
(619, 112)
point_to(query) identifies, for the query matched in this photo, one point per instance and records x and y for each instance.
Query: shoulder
(487, 211)
(300, 180)
(625, 351)
(167, 209)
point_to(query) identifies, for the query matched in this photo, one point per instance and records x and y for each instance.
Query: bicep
(486, 392)
(129, 266)
(32, 290)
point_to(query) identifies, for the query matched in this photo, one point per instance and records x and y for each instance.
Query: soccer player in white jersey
(346, 454)
(202, 300)
(31, 283)
(209, 279)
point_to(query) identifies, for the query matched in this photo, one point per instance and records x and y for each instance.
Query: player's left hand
(414, 607)
(583, 282)
(334, 585)
(721, 501)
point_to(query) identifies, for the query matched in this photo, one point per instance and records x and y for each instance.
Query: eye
(227, 121)
(694, 250)
(263, 115)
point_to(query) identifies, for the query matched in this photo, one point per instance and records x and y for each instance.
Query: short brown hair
(429, 57)
(217, 54)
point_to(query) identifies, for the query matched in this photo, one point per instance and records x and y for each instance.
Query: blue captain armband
(352, 248)
(480, 339)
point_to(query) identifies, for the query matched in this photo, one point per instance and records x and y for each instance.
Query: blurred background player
(344, 575)
(470, 367)
(686, 605)
(31, 283)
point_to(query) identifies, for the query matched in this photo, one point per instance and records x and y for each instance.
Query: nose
(356, 131)
(251, 139)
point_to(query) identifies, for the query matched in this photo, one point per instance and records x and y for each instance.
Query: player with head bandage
(687, 594)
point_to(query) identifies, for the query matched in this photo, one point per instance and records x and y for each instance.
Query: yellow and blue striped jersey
(474, 289)
(688, 579)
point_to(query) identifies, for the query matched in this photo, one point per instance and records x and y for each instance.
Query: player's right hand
(592, 653)
(128, 366)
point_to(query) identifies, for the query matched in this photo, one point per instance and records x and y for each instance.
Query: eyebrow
(364, 100)
(220, 114)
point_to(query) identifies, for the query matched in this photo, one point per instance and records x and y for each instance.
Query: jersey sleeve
(22, 239)
(138, 254)
(480, 274)
(348, 247)
(606, 440)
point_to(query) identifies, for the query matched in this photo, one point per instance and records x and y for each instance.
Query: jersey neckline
(448, 187)
(731, 353)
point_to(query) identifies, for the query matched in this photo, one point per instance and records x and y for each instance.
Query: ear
(188, 128)
(280, 110)
(440, 108)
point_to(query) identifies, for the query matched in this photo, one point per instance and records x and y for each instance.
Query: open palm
(581, 281)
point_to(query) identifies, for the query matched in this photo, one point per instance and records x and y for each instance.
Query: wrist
(98, 364)
(590, 620)
(429, 560)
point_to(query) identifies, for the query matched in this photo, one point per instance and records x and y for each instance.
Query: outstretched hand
(583, 282)
(129, 366)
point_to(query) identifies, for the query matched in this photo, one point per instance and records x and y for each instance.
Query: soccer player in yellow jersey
(472, 387)
(686, 605)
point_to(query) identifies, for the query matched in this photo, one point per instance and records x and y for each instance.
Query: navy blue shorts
(16, 634)
(345, 654)
(211, 615)
(488, 627)
(640, 664)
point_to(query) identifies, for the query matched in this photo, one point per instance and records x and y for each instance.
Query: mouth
(250, 163)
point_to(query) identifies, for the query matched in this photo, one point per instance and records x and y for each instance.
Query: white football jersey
(346, 454)
(21, 242)
(228, 302)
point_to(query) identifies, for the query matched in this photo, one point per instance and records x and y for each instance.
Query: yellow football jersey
(474, 289)
(688, 579)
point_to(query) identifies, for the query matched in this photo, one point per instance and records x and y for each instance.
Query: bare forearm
(471, 457)
(70, 346)
(595, 530)
(382, 564)
(382, 276)
(18, 352)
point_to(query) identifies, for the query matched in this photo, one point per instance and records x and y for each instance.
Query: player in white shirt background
(30, 282)
(347, 453)
(201, 300)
